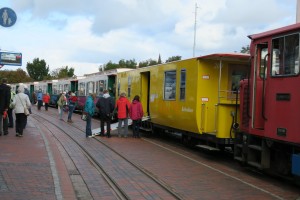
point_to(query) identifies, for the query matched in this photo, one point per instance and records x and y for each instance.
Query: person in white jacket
(19, 103)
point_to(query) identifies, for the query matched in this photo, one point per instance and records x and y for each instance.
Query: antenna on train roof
(195, 29)
(298, 11)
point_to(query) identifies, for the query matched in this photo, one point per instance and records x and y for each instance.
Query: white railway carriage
(97, 83)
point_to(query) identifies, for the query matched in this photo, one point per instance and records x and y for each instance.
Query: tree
(159, 60)
(122, 64)
(173, 58)
(148, 62)
(110, 65)
(37, 70)
(245, 49)
(17, 76)
(63, 72)
(127, 64)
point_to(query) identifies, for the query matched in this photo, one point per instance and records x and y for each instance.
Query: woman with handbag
(21, 103)
(61, 102)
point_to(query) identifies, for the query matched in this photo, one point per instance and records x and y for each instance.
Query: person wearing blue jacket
(40, 99)
(89, 109)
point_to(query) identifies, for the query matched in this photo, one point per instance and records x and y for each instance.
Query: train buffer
(114, 126)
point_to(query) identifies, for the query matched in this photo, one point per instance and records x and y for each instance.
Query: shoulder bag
(84, 116)
(26, 111)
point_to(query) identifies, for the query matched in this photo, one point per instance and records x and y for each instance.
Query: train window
(237, 72)
(182, 84)
(60, 88)
(44, 89)
(263, 60)
(90, 87)
(285, 55)
(66, 88)
(81, 90)
(170, 85)
(129, 87)
(101, 86)
(54, 89)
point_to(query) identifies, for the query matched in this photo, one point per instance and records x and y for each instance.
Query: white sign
(204, 99)
(205, 77)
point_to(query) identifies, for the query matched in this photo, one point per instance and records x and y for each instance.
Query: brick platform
(30, 170)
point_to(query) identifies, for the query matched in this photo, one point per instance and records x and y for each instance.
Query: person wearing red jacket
(46, 100)
(72, 105)
(136, 114)
(123, 107)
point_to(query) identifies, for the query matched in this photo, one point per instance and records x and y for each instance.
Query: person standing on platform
(106, 106)
(26, 91)
(34, 98)
(46, 100)
(72, 104)
(89, 110)
(61, 102)
(20, 101)
(123, 107)
(10, 110)
(40, 99)
(136, 114)
(68, 95)
(4, 105)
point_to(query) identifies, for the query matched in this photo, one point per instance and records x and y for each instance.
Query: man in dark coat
(4, 105)
(10, 110)
(105, 106)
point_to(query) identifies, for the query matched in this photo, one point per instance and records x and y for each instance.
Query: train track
(115, 186)
(110, 145)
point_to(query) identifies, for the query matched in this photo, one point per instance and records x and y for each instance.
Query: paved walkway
(31, 167)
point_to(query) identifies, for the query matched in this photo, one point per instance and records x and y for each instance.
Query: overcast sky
(86, 34)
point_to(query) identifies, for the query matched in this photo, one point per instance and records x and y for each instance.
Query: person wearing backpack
(105, 105)
(89, 110)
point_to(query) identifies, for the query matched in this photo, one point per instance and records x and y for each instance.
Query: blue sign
(10, 58)
(8, 17)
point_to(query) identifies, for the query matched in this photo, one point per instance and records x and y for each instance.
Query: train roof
(226, 56)
(109, 72)
(275, 31)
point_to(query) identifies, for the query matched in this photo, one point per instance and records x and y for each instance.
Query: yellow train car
(197, 97)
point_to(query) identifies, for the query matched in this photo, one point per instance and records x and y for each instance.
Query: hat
(123, 94)
(21, 88)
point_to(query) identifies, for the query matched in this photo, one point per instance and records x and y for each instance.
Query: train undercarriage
(273, 157)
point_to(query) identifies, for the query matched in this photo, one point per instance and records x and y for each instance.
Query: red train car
(269, 134)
